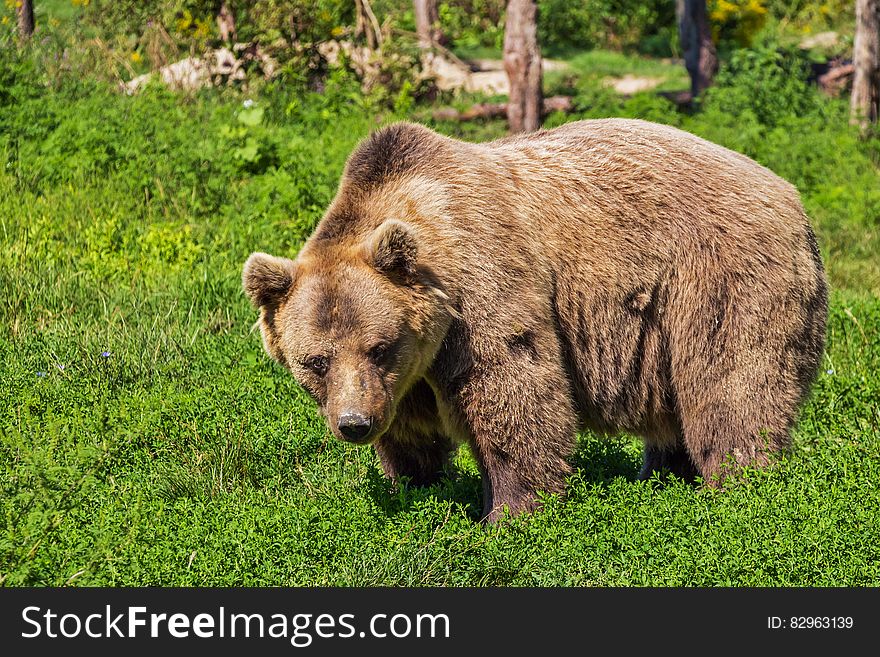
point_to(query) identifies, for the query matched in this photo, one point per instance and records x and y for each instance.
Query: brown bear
(612, 275)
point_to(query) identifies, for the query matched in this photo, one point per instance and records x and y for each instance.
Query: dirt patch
(476, 76)
(631, 84)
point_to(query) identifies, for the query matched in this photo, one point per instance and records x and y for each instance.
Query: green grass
(596, 65)
(185, 457)
(59, 10)
(606, 63)
(478, 52)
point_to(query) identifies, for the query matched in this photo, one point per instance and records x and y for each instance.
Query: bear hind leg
(725, 432)
(739, 369)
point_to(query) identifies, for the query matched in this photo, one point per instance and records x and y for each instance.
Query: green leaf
(250, 151)
(251, 117)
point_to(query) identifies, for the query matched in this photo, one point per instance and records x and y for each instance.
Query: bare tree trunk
(700, 57)
(226, 23)
(865, 101)
(427, 23)
(522, 61)
(25, 11)
(367, 26)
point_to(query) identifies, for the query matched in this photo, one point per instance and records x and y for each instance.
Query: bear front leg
(421, 458)
(414, 447)
(522, 425)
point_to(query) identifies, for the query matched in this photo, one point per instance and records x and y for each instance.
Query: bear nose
(354, 426)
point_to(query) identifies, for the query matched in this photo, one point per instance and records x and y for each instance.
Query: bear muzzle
(355, 428)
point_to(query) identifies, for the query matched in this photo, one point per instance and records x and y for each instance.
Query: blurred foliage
(120, 39)
(611, 24)
(192, 22)
(808, 16)
(289, 29)
(739, 20)
(769, 84)
(564, 26)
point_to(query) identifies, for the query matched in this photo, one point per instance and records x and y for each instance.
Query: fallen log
(499, 110)
(836, 80)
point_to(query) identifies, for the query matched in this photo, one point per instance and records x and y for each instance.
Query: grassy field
(146, 439)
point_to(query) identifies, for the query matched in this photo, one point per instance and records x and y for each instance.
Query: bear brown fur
(613, 275)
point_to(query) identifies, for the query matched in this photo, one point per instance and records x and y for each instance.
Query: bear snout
(354, 427)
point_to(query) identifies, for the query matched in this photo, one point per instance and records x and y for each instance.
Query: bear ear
(393, 249)
(266, 279)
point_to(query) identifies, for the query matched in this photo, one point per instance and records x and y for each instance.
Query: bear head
(357, 323)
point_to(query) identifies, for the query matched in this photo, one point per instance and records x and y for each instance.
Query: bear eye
(378, 353)
(318, 364)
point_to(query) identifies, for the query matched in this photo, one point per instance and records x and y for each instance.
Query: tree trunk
(522, 61)
(25, 11)
(427, 23)
(865, 101)
(367, 26)
(226, 23)
(700, 57)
